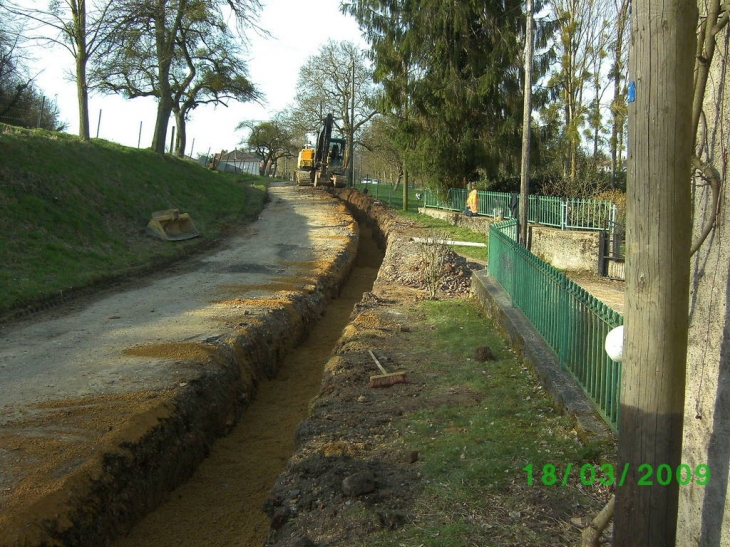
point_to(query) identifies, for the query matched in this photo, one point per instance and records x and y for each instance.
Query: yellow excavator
(325, 164)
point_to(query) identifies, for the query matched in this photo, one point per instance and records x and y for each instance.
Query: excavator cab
(336, 154)
(172, 225)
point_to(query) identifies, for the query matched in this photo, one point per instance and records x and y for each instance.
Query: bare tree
(583, 37)
(326, 84)
(382, 154)
(83, 29)
(619, 52)
(21, 103)
(12, 80)
(269, 141)
(210, 70)
(143, 61)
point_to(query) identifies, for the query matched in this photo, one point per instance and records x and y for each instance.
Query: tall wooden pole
(657, 272)
(351, 154)
(40, 116)
(406, 182)
(526, 117)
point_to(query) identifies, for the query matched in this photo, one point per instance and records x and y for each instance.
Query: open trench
(221, 504)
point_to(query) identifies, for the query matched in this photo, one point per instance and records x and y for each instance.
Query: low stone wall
(569, 250)
(476, 224)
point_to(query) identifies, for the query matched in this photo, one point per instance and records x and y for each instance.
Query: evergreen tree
(451, 77)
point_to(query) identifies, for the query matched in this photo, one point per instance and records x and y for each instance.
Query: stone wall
(568, 250)
(704, 512)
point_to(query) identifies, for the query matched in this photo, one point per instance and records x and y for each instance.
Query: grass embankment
(73, 213)
(477, 487)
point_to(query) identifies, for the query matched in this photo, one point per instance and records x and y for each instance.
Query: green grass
(450, 231)
(393, 196)
(473, 454)
(74, 213)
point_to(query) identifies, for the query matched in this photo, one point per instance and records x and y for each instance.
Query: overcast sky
(298, 30)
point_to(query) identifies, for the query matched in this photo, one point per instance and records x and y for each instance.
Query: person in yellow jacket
(472, 204)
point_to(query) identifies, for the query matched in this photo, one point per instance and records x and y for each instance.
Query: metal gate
(612, 251)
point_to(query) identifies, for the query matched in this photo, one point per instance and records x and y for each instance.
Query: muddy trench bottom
(222, 503)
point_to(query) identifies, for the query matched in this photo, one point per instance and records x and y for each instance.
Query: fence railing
(572, 321)
(574, 213)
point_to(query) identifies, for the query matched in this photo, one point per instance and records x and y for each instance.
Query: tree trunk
(164, 110)
(573, 162)
(165, 46)
(526, 118)
(82, 93)
(82, 56)
(181, 138)
(617, 104)
(405, 190)
(657, 273)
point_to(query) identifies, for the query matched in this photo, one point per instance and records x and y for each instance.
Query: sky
(298, 30)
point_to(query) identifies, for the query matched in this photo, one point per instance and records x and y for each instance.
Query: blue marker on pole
(632, 92)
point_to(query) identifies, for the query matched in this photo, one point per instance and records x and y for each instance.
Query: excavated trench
(221, 504)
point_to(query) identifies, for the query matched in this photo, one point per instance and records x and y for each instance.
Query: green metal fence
(571, 320)
(580, 214)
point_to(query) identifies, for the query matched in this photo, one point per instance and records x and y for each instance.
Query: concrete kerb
(540, 357)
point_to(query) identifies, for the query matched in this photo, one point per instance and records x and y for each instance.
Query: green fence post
(563, 320)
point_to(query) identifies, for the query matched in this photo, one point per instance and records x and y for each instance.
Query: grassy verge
(474, 454)
(393, 195)
(452, 232)
(74, 213)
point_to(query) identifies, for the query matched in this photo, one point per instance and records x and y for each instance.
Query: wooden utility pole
(526, 118)
(351, 154)
(657, 273)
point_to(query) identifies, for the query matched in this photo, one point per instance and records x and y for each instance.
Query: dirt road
(104, 348)
(100, 375)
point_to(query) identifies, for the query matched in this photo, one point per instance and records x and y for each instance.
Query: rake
(386, 379)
